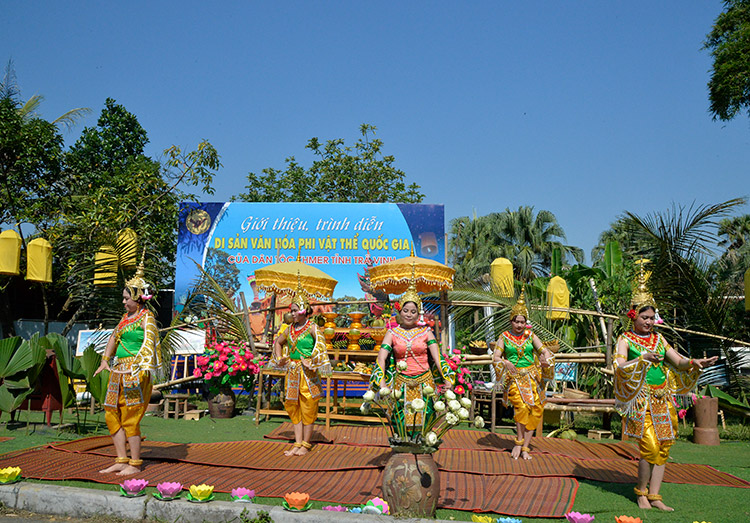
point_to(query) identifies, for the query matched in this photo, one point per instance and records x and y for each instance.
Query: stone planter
(706, 431)
(221, 404)
(411, 485)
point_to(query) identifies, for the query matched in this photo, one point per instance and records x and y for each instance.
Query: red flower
(632, 314)
(459, 389)
(397, 306)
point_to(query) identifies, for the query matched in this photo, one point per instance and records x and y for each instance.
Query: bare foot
(117, 467)
(516, 452)
(643, 502)
(301, 451)
(525, 455)
(292, 451)
(129, 470)
(661, 506)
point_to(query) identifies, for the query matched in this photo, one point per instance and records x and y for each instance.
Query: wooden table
(333, 408)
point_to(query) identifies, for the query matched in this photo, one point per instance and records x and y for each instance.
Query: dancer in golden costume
(521, 363)
(409, 360)
(301, 352)
(132, 356)
(648, 374)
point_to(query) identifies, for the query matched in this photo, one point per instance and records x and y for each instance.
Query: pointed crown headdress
(299, 297)
(520, 307)
(411, 293)
(641, 295)
(137, 286)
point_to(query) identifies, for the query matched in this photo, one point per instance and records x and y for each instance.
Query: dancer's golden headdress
(137, 286)
(411, 293)
(520, 307)
(299, 297)
(641, 295)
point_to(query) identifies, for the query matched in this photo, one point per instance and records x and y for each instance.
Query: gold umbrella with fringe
(428, 275)
(285, 277)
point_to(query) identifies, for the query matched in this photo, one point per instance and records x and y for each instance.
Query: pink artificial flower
(198, 373)
(208, 375)
(456, 351)
(459, 389)
(470, 386)
(681, 413)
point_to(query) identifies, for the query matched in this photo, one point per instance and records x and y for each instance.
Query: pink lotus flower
(577, 517)
(169, 489)
(242, 494)
(336, 508)
(681, 413)
(134, 486)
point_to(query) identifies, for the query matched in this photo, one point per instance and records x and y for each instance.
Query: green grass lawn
(603, 500)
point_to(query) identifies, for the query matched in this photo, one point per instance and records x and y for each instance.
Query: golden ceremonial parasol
(428, 275)
(286, 277)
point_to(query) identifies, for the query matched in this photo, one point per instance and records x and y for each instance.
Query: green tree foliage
(729, 43)
(527, 239)
(113, 185)
(339, 174)
(31, 150)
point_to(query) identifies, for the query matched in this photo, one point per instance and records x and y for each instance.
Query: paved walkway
(82, 503)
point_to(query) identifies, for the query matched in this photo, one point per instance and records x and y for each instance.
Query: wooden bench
(605, 407)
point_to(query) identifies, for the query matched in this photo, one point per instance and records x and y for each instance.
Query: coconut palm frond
(174, 337)
(219, 305)
(72, 117)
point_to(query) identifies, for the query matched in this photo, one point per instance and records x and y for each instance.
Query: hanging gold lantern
(10, 252)
(39, 261)
(127, 247)
(501, 275)
(105, 267)
(558, 296)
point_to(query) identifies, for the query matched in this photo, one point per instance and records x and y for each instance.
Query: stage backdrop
(231, 240)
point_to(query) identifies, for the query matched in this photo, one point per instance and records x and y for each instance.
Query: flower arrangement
(439, 409)
(478, 518)
(297, 500)
(335, 508)
(627, 519)
(229, 364)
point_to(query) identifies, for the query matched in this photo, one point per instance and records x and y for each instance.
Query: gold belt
(413, 381)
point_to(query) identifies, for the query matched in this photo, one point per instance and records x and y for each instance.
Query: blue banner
(231, 240)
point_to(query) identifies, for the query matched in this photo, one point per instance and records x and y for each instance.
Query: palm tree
(9, 89)
(470, 248)
(528, 240)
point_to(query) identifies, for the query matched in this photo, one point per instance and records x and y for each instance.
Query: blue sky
(586, 109)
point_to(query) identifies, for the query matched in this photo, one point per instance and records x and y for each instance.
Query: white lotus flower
(431, 438)
(450, 394)
(478, 422)
(465, 402)
(439, 406)
(427, 390)
(463, 413)
(454, 405)
(385, 391)
(451, 419)
(417, 404)
(397, 393)
(364, 408)
(369, 395)
(402, 365)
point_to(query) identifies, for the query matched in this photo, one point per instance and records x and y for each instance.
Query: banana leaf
(728, 402)
(96, 385)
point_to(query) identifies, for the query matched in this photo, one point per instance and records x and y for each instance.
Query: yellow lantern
(127, 246)
(558, 296)
(747, 290)
(39, 261)
(501, 274)
(105, 267)
(10, 252)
